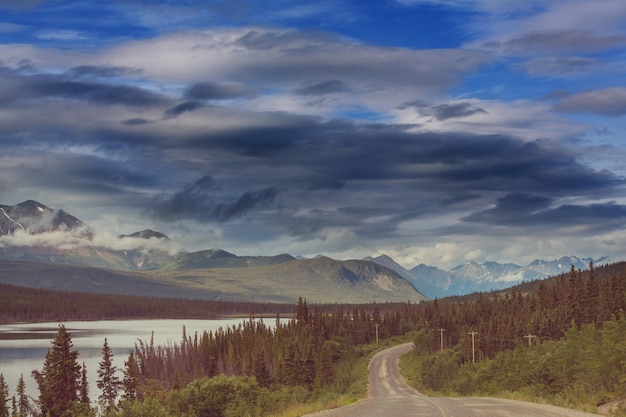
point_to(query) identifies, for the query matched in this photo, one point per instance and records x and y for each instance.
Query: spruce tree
(4, 397)
(14, 407)
(59, 380)
(84, 385)
(130, 382)
(108, 382)
(23, 407)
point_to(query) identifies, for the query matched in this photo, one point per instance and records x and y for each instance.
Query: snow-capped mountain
(33, 217)
(472, 277)
(31, 231)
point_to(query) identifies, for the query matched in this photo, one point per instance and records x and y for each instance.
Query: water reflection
(24, 346)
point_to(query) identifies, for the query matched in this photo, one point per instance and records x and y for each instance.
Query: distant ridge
(218, 258)
(473, 277)
(322, 280)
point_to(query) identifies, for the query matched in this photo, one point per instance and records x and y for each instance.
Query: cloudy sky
(433, 131)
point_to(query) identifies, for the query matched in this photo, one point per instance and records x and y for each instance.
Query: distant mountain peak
(33, 217)
(147, 234)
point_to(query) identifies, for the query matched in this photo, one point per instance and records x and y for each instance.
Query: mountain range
(33, 233)
(45, 248)
(473, 277)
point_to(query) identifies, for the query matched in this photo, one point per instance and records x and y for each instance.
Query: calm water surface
(24, 346)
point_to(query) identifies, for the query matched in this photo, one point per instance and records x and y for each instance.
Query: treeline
(248, 370)
(563, 341)
(505, 319)
(23, 304)
(302, 352)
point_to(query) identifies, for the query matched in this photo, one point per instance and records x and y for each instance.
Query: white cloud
(68, 240)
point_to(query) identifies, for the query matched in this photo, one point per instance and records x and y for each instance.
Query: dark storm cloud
(449, 111)
(114, 182)
(329, 155)
(526, 210)
(36, 87)
(444, 111)
(187, 106)
(100, 71)
(562, 65)
(558, 41)
(200, 201)
(94, 92)
(606, 102)
(323, 88)
(218, 91)
(136, 121)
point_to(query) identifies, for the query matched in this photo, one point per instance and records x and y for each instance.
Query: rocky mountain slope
(473, 277)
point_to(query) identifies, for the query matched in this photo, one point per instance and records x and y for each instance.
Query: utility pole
(441, 338)
(530, 338)
(473, 346)
(376, 333)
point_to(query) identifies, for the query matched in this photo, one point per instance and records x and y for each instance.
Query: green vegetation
(246, 370)
(560, 340)
(564, 344)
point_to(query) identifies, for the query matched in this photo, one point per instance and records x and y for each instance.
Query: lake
(23, 347)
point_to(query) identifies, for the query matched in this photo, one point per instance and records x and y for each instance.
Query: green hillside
(322, 280)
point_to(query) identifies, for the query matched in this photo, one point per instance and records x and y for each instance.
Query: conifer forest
(560, 340)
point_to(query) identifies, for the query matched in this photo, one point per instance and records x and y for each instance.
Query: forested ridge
(21, 304)
(560, 340)
(258, 370)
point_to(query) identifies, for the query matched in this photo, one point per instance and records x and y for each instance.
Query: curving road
(390, 396)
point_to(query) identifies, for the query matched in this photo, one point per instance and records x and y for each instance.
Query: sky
(436, 132)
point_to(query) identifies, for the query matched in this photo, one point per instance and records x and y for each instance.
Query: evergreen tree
(23, 407)
(591, 297)
(4, 397)
(261, 373)
(575, 293)
(14, 407)
(84, 386)
(108, 382)
(130, 381)
(59, 380)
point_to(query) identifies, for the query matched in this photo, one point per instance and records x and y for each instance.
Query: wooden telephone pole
(376, 333)
(441, 338)
(473, 346)
(530, 338)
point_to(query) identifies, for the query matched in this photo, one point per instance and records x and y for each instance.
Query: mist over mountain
(31, 231)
